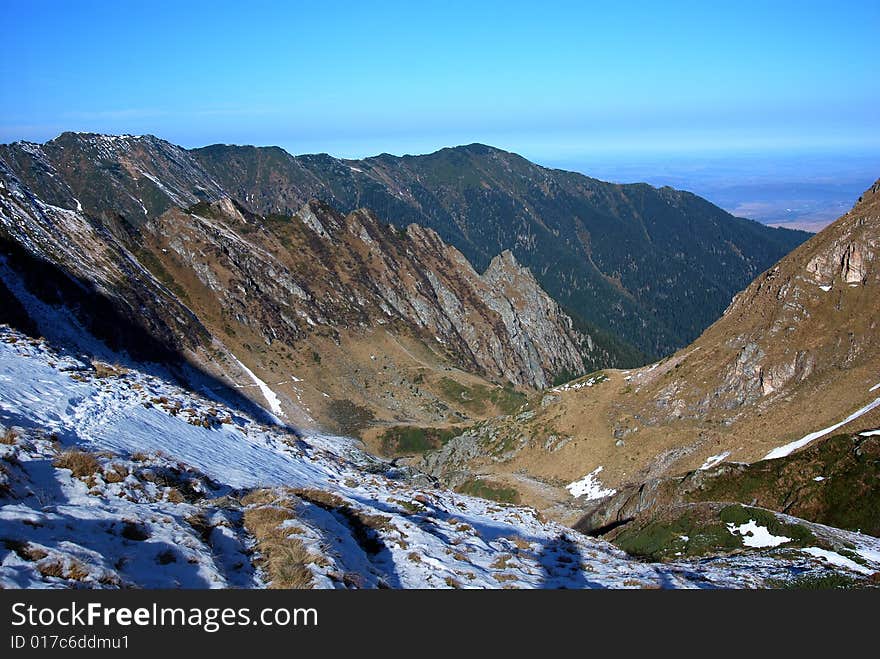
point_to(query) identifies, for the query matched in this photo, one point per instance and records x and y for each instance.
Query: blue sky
(551, 80)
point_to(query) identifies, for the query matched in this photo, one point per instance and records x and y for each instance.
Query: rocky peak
(135, 177)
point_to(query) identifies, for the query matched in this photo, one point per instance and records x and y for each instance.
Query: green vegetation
(402, 440)
(480, 398)
(477, 487)
(697, 532)
(848, 497)
(154, 265)
(817, 582)
(349, 417)
(684, 536)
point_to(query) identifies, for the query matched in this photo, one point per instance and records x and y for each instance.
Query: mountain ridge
(651, 267)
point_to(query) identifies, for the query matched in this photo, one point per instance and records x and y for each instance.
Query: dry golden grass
(74, 570)
(174, 495)
(116, 474)
(260, 497)
(25, 550)
(81, 463)
(320, 497)
(283, 558)
(8, 437)
(104, 370)
(520, 543)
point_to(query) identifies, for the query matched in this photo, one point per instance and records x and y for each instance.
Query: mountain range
(650, 267)
(182, 328)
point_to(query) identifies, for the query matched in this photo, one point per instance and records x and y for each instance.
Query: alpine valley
(235, 367)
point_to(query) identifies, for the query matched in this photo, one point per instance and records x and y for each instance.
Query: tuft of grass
(8, 437)
(116, 474)
(484, 489)
(81, 463)
(72, 569)
(284, 559)
(479, 398)
(413, 439)
(452, 582)
(104, 370)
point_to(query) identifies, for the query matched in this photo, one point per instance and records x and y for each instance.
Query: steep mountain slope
(69, 279)
(349, 315)
(166, 489)
(652, 266)
(796, 350)
(794, 359)
(352, 321)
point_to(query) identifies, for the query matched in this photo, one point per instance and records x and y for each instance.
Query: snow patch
(589, 486)
(270, 396)
(754, 535)
(788, 449)
(574, 386)
(713, 460)
(870, 433)
(837, 560)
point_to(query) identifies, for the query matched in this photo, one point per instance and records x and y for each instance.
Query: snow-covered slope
(174, 474)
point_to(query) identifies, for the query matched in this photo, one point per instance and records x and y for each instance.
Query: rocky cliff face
(321, 272)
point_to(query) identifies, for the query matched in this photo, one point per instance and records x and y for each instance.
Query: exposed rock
(286, 285)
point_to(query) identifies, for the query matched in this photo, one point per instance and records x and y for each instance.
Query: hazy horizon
(555, 80)
(804, 189)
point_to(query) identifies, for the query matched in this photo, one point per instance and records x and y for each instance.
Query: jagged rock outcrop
(404, 324)
(320, 271)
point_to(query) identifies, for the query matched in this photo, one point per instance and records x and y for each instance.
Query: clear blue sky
(548, 79)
